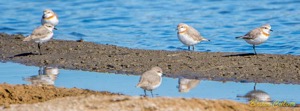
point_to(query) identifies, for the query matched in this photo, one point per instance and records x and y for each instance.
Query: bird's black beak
(271, 30)
(55, 28)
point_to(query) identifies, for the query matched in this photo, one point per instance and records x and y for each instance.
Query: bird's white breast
(187, 40)
(54, 21)
(157, 85)
(258, 40)
(44, 39)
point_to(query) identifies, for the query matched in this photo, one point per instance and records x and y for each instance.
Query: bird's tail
(205, 39)
(25, 79)
(239, 37)
(27, 38)
(138, 85)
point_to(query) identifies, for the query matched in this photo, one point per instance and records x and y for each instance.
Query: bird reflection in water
(257, 95)
(46, 76)
(185, 85)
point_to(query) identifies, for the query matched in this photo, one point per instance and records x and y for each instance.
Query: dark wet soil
(109, 58)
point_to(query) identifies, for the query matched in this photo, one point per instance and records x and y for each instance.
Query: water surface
(151, 24)
(125, 84)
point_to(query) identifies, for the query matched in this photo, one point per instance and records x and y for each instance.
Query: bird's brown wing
(252, 34)
(148, 78)
(195, 34)
(39, 32)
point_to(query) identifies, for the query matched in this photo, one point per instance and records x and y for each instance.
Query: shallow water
(151, 24)
(125, 84)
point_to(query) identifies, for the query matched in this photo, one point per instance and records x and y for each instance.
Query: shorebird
(41, 34)
(150, 80)
(188, 35)
(257, 35)
(49, 17)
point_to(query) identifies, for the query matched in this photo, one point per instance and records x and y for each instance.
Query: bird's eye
(265, 27)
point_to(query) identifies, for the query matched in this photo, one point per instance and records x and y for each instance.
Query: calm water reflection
(125, 84)
(257, 95)
(185, 85)
(46, 76)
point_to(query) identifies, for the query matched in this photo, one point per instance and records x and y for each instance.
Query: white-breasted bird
(257, 36)
(150, 79)
(188, 35)
(49, 16)
(41, 34)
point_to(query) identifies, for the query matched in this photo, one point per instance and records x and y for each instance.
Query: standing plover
(49, 17)
(41, 34)
(188, 35)
(150, 79)
(257, 36)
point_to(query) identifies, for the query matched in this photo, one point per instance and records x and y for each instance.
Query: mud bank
(21, 94)
(49, 98)
(108, 58)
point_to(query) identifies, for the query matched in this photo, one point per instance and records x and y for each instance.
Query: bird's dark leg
(40, 70)
(39, 46)
(151, 93)
(254, 49)
(193, 47)
(145, 93)
(188, 47)
(254, 86)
